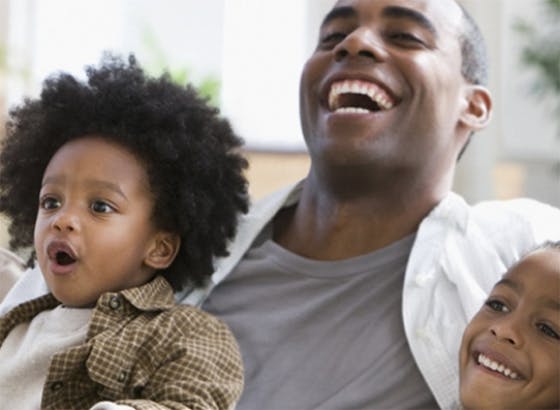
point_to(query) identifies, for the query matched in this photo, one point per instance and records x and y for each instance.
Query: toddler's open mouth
(61, 253)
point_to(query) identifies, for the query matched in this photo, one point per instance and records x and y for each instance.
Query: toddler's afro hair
(190, 153)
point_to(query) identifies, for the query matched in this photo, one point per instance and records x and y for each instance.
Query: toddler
(126, 187)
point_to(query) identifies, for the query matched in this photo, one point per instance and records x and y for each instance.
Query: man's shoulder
(521, 213)
(182, 321)
(505, 227)
(269, 204)
(496, 213)
(518, 206)
(516, 223)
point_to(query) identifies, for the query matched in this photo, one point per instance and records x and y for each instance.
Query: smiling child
(127, 187)
(510, 353)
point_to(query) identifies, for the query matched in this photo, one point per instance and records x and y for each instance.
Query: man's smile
(357, 96)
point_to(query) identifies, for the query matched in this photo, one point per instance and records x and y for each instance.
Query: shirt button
(121, 377)
(56, 386)
(115, 302)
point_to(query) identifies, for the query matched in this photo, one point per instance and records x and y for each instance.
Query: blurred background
(246, 56)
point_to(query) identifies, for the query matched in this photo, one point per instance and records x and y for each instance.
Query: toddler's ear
(163, 250)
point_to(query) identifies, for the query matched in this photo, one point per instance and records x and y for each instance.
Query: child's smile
(496, 366)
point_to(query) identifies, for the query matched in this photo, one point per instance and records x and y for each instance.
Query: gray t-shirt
(321, 335)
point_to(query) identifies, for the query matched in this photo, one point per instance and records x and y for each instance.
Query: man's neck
(326, 225)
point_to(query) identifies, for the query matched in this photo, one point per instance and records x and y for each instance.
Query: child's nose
(66, 220)
(507, 330)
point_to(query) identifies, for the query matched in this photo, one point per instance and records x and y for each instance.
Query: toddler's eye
(49, 202)
(547, 330)
(101, 207)
(497, 305)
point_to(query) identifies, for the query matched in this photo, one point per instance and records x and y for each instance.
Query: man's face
(384, 85)
(510, 353)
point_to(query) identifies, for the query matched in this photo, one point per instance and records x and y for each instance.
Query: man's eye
(332, 38)
(101, 207)
(497, 306)
(406, 37)
(49, 203)
(548, 331)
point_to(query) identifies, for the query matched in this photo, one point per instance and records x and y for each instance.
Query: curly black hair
(191, 154)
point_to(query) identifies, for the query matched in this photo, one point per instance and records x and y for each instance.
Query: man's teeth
(373, 91)
(353, 110)
(497, 367)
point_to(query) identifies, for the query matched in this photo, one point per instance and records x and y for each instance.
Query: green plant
(541, 52)
(157, 63)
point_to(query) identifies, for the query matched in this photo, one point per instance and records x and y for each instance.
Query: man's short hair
(474, 66)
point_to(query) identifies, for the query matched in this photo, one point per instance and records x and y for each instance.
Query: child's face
(94, 232)
(510, 353)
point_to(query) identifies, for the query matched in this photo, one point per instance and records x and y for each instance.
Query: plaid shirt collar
(156, 295)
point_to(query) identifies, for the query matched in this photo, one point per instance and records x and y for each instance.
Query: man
(351, 290)
(355, 292)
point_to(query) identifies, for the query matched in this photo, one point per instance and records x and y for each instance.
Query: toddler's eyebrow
(59, 179)
(107, 185)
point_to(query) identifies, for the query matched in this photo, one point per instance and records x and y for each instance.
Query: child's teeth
(495, 366)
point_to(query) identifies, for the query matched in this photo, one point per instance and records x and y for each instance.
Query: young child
(510, 352)
(127, 187)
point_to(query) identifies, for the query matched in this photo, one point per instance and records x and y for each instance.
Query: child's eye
(101, 207)
(548, 331)
(497, 306)
(49, 202)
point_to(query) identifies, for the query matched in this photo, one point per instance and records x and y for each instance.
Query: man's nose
(362, 42)
(66, 219)
(508, 330)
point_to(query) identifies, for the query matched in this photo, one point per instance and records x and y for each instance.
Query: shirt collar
(152, 296)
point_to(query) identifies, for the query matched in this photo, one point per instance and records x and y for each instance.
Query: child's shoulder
(190, 320)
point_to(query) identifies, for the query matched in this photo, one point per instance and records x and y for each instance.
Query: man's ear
(163, 250)
(478, 108)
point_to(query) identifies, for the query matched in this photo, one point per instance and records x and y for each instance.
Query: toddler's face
(510, 353)
(94, 228)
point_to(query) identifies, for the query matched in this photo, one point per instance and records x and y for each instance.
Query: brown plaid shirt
(141, 350)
